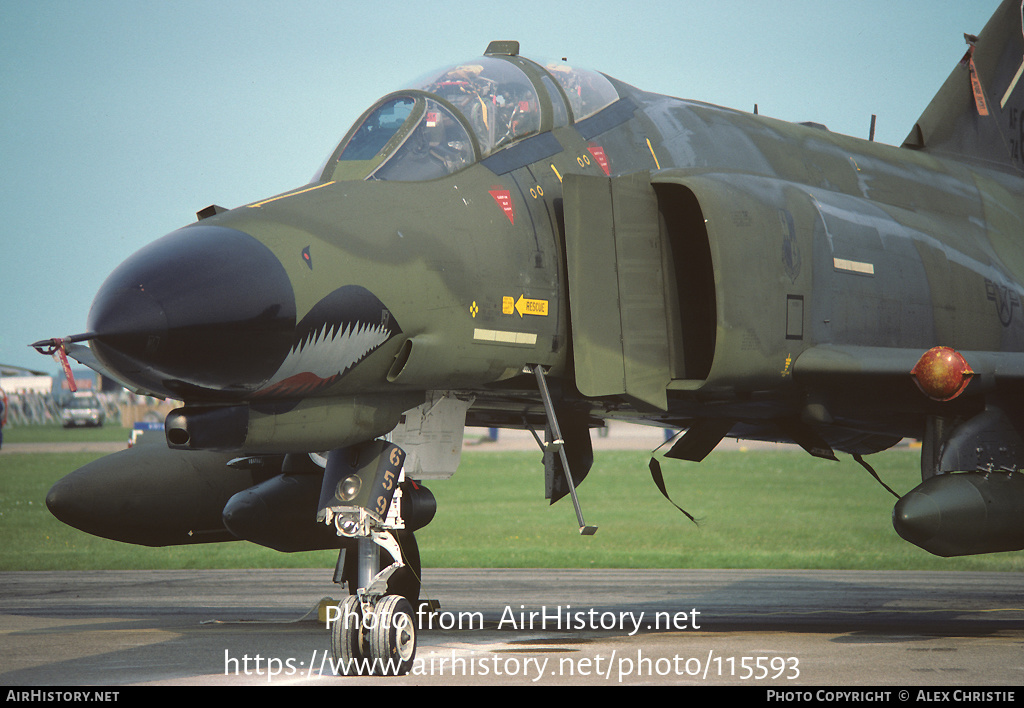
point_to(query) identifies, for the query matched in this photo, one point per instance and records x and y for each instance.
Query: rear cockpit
(453, 117)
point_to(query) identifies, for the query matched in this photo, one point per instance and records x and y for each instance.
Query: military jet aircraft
(521, 244)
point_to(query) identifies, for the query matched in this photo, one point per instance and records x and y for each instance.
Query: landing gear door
(431, 435)
(615, 255)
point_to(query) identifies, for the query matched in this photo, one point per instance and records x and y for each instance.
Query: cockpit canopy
(450, 118)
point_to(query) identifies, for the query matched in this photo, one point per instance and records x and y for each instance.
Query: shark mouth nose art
(340, 331)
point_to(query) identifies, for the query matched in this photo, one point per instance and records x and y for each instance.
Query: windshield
(449, 118)
(495, 96)
(407, 136)
(378, 128)
(437, 145)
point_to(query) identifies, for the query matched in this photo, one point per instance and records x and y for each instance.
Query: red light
(942, 373)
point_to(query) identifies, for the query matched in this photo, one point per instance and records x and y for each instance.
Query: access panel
(615, 255)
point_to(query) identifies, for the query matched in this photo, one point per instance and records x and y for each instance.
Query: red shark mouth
(298, 385)
(338, 332)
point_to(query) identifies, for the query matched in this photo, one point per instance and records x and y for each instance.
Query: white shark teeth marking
(328, 352)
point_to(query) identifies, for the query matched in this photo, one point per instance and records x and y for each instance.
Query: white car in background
(83, 410)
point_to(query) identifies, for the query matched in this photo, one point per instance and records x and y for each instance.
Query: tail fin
(978, 113)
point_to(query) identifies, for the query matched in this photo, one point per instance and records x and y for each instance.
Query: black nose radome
(206, 310)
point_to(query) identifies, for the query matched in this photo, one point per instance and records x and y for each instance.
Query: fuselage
(791, 238)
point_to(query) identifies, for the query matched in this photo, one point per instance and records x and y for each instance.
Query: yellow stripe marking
(1013, 85)
(290, 194)
(651, 148)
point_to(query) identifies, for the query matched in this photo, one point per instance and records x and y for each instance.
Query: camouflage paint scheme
(661, 260)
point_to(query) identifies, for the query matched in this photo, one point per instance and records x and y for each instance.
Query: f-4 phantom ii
(519, 244)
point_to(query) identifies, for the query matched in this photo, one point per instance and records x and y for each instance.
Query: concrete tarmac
(769, 629)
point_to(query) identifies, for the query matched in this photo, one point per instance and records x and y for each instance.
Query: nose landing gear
(374, 631)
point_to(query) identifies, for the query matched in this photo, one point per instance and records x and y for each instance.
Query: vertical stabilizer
(979, 112)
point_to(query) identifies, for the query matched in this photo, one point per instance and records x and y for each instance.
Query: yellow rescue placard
(526, 306)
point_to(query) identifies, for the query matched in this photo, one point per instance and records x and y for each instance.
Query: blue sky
(119, 119)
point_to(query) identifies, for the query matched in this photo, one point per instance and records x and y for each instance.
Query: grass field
(756, 510)
(110, 432)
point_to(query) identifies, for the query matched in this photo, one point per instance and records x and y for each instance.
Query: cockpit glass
(497, 99)
(378, 128)
(588, 91)
(559, 113)
(421, 133)
(437, 146)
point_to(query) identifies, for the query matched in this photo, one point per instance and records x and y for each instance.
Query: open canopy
(453, 117)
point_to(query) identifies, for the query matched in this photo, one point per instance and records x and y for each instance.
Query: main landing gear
(364, 497)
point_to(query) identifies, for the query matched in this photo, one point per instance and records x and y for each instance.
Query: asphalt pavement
(756, 628)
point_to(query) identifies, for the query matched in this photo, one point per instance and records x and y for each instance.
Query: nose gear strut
(374, 632)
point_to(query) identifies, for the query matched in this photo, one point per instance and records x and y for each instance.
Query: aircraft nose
(204, 309)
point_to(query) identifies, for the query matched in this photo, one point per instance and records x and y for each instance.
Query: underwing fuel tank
(280, 513)
(151, 496)
(964, 513)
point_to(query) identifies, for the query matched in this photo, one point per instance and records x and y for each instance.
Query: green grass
(110, 432)
(756, 510)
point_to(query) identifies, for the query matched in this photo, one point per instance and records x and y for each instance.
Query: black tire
(393, 637)
(347, 638)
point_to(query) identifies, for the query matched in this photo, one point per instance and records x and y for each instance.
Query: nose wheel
(347, 637)
(374, 638)
(393, 636)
